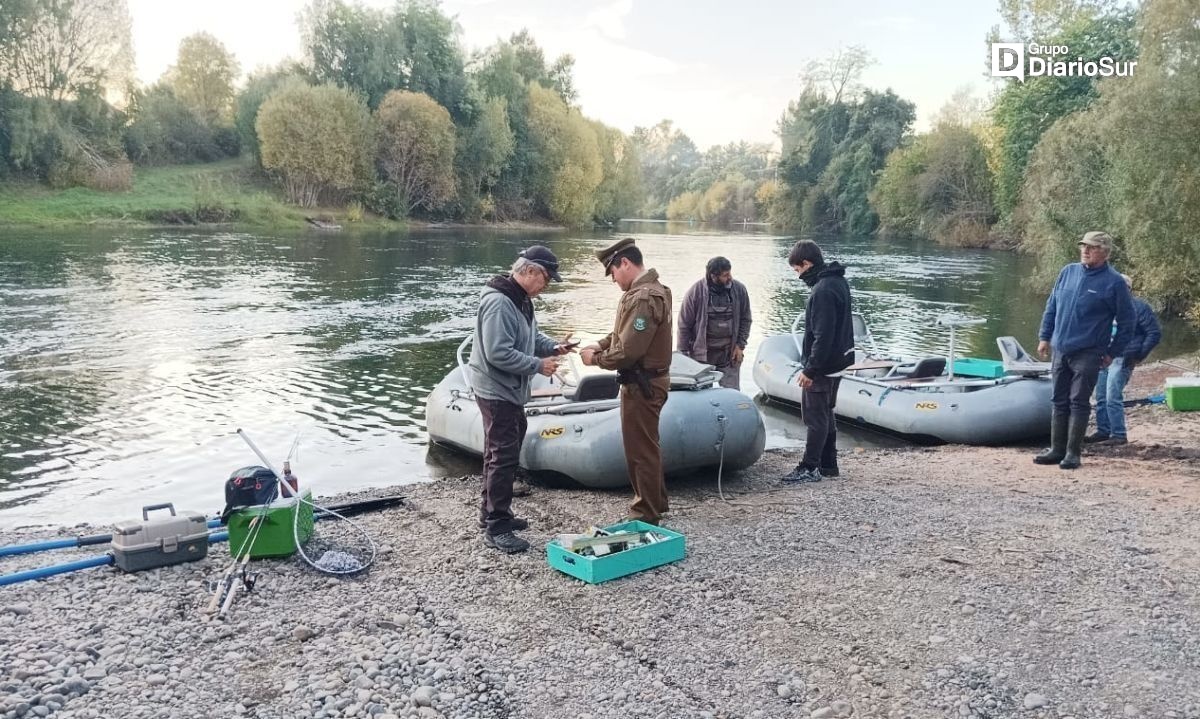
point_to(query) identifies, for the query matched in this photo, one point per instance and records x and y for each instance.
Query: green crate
(975, 367)
(595, 570)
(1183, 393)
(276, 538)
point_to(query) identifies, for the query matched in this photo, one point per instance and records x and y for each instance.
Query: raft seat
(927, 368)
(593, 387)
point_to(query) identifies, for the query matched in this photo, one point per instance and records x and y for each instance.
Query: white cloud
(610, 19)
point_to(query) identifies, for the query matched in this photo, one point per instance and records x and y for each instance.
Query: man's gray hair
(522, 265)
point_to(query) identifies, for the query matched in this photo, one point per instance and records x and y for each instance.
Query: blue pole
(42, 572)
(38, 546)
(16, 549)
(97, 561)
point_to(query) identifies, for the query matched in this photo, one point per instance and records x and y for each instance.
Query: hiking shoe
(1114, 441)
(508, 542)
(830, 472)
(1095, 437)
(517, 523)
(799, 474)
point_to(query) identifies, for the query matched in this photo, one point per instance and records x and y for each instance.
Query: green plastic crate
(975, 367)
(276, 537)
(595, 570)
(1183, 393)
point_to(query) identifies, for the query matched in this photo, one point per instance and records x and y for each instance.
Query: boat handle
(863, 391)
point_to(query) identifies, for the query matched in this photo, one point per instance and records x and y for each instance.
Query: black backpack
(247, 487)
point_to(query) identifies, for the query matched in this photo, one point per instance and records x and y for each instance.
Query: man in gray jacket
(714, 322)
(508, 351)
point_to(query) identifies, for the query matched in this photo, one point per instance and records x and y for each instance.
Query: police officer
(639, 349)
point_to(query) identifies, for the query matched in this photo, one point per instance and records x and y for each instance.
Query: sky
(721, 71)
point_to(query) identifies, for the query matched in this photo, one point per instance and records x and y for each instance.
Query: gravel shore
(945, 582)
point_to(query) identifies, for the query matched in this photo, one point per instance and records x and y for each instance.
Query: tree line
(1033, 167)
(388, 113)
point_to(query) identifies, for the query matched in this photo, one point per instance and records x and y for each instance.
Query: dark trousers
(504, 426)
(643, 453)
(816, 404)
(1074, 378)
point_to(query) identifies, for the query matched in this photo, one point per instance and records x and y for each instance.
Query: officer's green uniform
(639, 348)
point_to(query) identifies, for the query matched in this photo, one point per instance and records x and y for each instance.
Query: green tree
(415, 149)
(203, 76)
(317, 139)
(165, 130)
(484, 148)
(62, 49)
(1025, 110)
(65, 143)
(620, 192)
(566, 166)
(939, 186)
(832, 153)
(504, 71)
(259, 86)
(1130, 164)
(686, 206)
(412, 46)
(668, 158)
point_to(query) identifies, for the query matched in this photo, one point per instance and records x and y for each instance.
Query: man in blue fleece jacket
(1077, 325)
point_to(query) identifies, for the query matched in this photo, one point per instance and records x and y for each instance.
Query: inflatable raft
(575, 423)
(980, 402)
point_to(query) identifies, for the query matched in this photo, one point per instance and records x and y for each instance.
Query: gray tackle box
(149, 543)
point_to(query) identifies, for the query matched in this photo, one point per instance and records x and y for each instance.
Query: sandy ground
(927, 582)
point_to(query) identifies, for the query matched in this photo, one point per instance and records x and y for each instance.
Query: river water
(129, 358)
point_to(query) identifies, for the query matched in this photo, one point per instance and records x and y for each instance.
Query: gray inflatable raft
(920, 400)
(575, 427)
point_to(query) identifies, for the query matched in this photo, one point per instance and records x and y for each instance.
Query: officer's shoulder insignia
(639, 324)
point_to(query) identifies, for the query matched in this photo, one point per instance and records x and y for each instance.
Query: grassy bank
(219, 192)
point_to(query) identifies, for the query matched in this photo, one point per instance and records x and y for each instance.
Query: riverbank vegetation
(388, 117)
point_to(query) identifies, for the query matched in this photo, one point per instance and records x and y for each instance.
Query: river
(128, 358)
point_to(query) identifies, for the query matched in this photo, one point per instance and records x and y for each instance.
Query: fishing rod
(346, 509)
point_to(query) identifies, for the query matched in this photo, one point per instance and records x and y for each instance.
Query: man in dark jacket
(509, 350)
(714, 322)
(1110, 384)
(1078, 325)
(827, 349)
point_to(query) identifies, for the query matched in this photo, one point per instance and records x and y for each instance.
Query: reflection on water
(128, 359)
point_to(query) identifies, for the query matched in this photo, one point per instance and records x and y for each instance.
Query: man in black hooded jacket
(828, 348)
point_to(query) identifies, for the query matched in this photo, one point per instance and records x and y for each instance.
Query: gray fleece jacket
(507, 349)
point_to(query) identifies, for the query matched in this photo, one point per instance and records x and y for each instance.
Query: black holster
(640, 377)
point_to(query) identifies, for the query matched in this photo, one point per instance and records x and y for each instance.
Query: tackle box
(147, 543)
(275, 538)
(595, 570)
(976, 367)
(1183, 393)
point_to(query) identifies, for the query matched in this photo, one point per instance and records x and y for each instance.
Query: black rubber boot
(1058, 441)
(1075, 432)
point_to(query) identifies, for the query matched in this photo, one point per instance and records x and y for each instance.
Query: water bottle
(290, 480)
